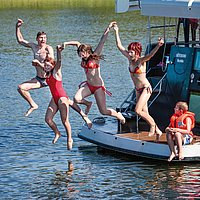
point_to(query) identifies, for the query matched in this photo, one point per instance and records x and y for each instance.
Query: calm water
(33, 168)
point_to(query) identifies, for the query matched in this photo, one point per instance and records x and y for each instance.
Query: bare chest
(40, 53)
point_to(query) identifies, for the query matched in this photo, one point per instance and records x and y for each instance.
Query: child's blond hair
(182, 105)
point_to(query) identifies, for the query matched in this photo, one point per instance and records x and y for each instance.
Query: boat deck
(143, 135)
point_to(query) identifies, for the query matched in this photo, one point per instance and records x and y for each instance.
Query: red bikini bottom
(93, 88)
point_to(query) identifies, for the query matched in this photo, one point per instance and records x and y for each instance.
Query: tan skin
(63, 104)
(140, 81)
(177, 134)
(94, 78)
(40, 50)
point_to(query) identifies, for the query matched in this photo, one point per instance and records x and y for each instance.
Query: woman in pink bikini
(137, 69)
(60, 101)
(94, 83)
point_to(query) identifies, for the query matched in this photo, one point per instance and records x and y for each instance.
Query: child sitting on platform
(179, 129)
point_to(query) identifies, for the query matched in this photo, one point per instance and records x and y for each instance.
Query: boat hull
(112, 140)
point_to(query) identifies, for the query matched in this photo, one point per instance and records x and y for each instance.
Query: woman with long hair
(94, 83)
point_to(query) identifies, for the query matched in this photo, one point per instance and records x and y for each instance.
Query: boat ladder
(128, 111)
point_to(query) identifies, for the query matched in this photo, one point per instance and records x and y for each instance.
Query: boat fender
(99, 120)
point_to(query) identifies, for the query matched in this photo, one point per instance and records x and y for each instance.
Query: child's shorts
(187, 139)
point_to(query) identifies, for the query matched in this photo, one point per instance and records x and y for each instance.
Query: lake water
(33, 168)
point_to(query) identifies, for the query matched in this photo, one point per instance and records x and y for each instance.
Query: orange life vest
(180, 121)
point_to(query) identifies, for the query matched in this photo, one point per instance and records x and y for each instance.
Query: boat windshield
(197, 61)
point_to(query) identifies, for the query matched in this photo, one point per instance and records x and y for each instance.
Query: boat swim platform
(110, 126)
(144, 136)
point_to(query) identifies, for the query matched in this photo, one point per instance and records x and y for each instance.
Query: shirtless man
(40, 50)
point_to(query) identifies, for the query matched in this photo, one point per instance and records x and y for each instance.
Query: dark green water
(33, 168)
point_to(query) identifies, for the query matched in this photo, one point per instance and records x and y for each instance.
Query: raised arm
(72, 43)
(59, 49)
(118, 42)
(153, 51)
(19, 36)
(99, 47)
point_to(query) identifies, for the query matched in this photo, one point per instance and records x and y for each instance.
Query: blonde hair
(182, 105)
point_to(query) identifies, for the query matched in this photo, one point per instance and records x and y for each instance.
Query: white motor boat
(177, 80)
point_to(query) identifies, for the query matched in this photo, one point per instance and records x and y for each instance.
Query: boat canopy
(165, 8)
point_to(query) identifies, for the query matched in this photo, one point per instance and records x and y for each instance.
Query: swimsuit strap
(106, 91)
(140, 90)
(82, 84)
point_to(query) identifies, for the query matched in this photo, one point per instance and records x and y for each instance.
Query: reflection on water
(33, 168)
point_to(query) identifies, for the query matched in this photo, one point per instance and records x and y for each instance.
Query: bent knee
(138, 111)
(48, 120)
(21, 87)
(104, 112)
(177, 134)
(77, 99)
(66, 123)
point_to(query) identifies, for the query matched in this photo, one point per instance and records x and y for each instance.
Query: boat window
(197, 61)
(194, 105)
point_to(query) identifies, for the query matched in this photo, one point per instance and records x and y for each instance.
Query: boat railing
(128, 111)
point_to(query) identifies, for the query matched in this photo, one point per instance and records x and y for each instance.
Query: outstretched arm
(103, 39)
(73, 43)
(118, 42)
(152, 53)
(19, 36)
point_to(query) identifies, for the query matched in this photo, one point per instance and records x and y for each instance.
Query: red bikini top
(89, 64)
(137, 70)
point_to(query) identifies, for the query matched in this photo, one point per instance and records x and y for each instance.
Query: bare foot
(57, 136)
(158, 134)
(88, 122)
(152, 130)
(121, 118)
(88, 108)
(30, 110)
(172, 156)
(69, 144)
(180, 156)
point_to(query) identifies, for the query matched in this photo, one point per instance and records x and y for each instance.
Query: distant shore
(52, 4)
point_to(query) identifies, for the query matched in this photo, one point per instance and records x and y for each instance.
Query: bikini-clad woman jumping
(94, 83)
(137, 69)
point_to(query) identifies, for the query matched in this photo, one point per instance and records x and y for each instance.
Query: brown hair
(87, 48)
(40, 33)
(182, 105)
